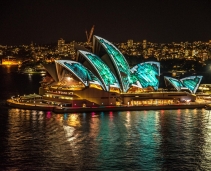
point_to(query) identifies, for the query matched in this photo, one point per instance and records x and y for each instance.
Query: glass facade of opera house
(104, 77)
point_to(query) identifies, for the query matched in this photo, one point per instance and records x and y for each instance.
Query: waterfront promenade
(57, 109)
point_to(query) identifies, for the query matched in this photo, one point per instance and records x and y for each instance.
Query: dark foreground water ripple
(137, 140)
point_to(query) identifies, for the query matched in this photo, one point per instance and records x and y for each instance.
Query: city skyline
(156, 21)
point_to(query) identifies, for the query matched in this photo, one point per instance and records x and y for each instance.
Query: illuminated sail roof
(174, 82)
(191, 83)
(51, 69)
(119, 63)
(104, 72)
(146, 74)
(81, 72)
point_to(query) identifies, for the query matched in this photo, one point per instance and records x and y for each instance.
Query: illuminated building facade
(104, 77)
(61, 44)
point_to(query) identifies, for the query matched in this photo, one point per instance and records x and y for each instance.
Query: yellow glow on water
(73, 120)
(128, 119)
(59, 117)
(40, 112)
(156, 117)
(69, 132)
(94, 126)
(34, 112)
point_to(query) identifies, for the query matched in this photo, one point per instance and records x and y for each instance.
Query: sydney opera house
(104, 77)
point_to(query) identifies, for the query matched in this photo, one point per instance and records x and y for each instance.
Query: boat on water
(30, 70)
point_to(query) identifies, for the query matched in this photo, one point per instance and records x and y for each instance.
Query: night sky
(161, 21)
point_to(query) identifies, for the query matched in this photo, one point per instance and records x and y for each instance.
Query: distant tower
(204, 56)
(144, 44)
(130, 43)
(123, 46)
(32, 44)
(61, 43)
(186, 53)
(194, 52)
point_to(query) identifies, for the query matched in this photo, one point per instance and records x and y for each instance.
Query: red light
(111, 114)
(178, 111)
(93, 114)
(48, 115)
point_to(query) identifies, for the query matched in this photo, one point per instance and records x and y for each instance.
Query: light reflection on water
(130, 140)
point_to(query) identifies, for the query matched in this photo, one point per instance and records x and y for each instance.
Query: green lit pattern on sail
(146, 74)
(192, 82)
(120, 63)
(85, 75)
(175, 83)
(107, 77)
(82, 72)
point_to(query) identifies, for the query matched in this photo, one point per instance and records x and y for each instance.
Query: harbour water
(129, 140)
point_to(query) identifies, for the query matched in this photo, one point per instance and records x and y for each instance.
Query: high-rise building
(194, 52)
(61, 43)
(144, 44)
(130, 43)
(123, 46)
(210, 43)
